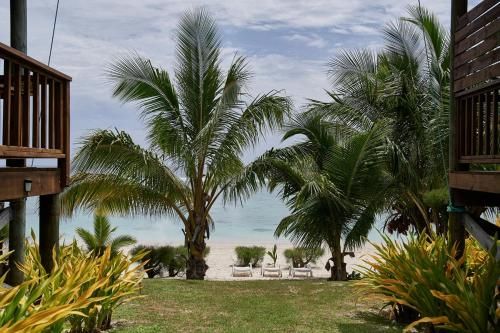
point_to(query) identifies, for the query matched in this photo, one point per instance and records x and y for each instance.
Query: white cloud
(90, 33)
(312, 40)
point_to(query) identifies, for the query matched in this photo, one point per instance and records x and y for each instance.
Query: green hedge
(250, 255)
(299, 256)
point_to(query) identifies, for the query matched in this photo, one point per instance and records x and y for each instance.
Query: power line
(53, 32)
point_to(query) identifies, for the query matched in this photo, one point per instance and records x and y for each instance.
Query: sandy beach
(222, 256)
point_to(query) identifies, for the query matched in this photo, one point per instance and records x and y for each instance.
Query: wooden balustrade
(477, 84)
(34, 110)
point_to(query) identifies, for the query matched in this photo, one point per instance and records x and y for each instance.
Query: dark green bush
(250, 255)
(166, 257)
(299, 256)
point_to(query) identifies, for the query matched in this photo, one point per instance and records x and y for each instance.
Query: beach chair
(242, 270)
(301, 270)
(270, 269)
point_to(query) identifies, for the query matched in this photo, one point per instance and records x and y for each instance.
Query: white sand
(222, 256)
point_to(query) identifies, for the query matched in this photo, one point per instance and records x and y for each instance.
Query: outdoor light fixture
(27, 185)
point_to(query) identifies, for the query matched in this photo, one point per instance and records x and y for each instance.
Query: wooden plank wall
(477, 84)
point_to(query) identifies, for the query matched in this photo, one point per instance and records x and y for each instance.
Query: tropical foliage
(301, 257)
(80, 292)
(160, 258)
(247, 255)
(332, 180)
(423, 275)
(22, 311)
(101, 238)
(405, 85)
(199, 121)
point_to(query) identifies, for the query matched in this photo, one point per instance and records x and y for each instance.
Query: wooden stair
(484, 232)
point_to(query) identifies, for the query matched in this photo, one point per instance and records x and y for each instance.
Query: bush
(44, 304)
(423, 275)
(247, 255)
(300, 257)
(159, 258)
(105, 282)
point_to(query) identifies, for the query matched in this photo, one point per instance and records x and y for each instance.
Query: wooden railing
(477, 84)
(34, 110)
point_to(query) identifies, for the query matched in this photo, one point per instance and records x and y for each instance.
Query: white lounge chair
(301, 270)
(270, 269)
(242, 270)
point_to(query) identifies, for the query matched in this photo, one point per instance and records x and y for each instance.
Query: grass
(250, 306)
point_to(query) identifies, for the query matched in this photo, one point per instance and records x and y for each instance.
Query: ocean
(252, 222)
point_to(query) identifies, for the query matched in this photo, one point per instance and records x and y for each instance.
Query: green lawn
(250, 306)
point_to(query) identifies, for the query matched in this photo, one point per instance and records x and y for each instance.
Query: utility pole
(17, 224)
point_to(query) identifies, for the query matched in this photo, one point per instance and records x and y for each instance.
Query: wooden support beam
(479, 234)
(17, 237)
(475, 181)
(455, 227)
(44, 181)
(5, 216)
(49, 228)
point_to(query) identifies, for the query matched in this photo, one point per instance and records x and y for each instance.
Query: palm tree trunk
(337, 256)
(338, 270)
(196, 266)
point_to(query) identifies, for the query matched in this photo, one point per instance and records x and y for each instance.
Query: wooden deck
(476, 87)
(35, 117)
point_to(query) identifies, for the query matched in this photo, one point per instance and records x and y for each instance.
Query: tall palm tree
(333, 182)
(101, 238)
(199, 122)
(407, 85)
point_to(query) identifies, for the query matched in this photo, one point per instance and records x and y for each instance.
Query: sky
(287, 43)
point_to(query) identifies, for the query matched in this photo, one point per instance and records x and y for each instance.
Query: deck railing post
(455, 223)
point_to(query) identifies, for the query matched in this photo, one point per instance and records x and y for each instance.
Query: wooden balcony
(476, 87)
(35, 117)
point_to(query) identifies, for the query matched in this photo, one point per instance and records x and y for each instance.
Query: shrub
(424, 276)
(44, 305)
(104, 280)
(158, 258)
(247, 255)
(273, 254)
(300, 257)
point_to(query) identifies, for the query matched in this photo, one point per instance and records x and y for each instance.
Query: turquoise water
(252, 222)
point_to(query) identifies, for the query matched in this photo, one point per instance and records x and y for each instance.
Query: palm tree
(333, 182)
(100, 239)
(406, 85)
(199, 122)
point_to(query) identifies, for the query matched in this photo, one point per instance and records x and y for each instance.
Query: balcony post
(455, 222)
(17, 226)
(49, 228)
(17, 237)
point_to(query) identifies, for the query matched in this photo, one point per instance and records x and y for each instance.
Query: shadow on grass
(370, 322)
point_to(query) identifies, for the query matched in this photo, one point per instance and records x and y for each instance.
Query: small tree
(101, 237)
(273, 254)
(333, 181)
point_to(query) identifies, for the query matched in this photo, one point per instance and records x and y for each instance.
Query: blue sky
(287, 42)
